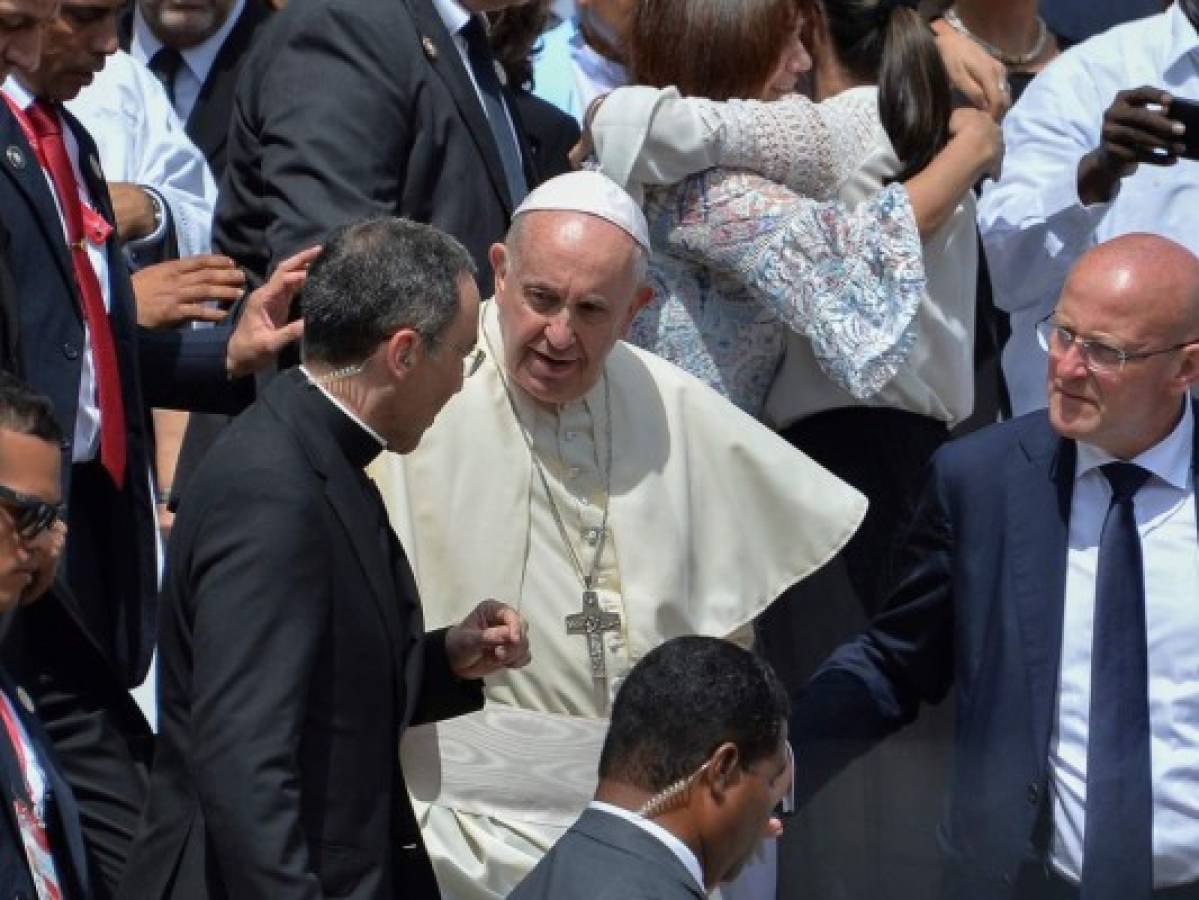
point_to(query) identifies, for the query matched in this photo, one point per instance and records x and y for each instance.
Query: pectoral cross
(592, 622)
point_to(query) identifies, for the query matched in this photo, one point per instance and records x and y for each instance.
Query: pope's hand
(493, 637)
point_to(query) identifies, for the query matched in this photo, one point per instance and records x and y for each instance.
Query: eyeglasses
(1096, 355)
(472, 357)
(31, 515)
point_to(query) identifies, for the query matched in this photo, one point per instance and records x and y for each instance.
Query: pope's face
(567, 290)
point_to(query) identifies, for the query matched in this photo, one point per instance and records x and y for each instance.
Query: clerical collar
(360, 442)
(1169, 459)
(684, 853)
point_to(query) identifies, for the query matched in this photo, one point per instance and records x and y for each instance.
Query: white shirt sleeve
(142, 141)
(1033, 224)
(650, 136)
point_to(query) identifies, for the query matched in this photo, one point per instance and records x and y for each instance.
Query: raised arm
(651, 136)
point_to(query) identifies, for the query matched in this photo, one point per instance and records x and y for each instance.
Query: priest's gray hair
(375, 277)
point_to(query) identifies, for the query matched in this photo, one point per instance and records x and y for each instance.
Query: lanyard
(96, 228)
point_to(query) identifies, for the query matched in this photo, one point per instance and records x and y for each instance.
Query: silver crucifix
(592, 622)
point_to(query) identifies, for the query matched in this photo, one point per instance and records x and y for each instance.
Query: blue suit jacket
(62, 815)
(979, 610)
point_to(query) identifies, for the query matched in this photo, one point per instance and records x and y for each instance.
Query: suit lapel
(23, 169)
(346, 495)
(208, 123)
(1040, 489)
(446, 63)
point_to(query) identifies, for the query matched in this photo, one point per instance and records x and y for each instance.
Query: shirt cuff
(150, 249)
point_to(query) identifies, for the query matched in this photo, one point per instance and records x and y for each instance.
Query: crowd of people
(473, 448)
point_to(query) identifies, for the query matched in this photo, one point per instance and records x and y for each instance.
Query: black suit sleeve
(262, 598)
(185, 369)
(334, 124)
(874, 684)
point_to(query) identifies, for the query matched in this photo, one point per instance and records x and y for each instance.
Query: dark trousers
(101, 567)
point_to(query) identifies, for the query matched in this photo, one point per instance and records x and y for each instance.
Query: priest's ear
(401, 352)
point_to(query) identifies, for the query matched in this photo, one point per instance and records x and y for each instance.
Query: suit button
(70, 351)
(1034, 793)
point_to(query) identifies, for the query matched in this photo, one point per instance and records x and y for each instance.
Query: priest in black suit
(371, 107)
(292, 653)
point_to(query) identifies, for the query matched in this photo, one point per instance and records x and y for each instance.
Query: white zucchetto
(593, 194)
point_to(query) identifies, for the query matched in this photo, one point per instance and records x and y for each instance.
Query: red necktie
(52, 150)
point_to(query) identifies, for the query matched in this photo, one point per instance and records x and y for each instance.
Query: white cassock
(712, 516)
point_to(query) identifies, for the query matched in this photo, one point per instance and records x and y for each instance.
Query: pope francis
(610, 497)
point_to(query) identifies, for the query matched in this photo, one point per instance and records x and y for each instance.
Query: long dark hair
(885, 42)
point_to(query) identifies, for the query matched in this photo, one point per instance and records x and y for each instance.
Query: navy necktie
(164, 64)
(1118, 845)
(482, 64)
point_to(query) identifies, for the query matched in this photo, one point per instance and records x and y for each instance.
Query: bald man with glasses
(1051, 582)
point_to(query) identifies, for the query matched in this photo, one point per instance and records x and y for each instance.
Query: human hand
(46, 550)
(973, 71)
(1136, 129)
(171, 293)
(133, 209)
(493, 637)
(263, 329)
(585, 148)
(981, 136)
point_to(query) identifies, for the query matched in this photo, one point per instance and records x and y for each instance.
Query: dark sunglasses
(31, 515)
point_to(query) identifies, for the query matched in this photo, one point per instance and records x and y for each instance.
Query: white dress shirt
(455, 16)
(1034, 225)
(197, 60)
(87, 417)
(684, 853)
(142, 141)
(1165, 516)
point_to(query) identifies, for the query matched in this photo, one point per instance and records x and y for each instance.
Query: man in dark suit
(80, 346)
(292, 653)
(694, 764)
(371, 107)
(1051, 580)
(196, 50)
(41, 842)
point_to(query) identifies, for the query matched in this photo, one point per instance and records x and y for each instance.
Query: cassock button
(26, 700)
(15, 157)
(70, 351)
(430, 48)
(1034, 794)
